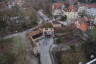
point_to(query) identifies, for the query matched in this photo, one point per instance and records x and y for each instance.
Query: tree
(58, 41)
(63, 18)
(89, 47)
(73, 48)
(3, 22)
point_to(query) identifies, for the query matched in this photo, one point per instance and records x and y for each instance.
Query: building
(72, 8)
(71, 16)
(57, 25)
(87, 1)
(71, 2)
(68, 1)
(58, 8)
(48, 30)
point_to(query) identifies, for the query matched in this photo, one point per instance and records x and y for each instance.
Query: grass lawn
(19, 50)
(93, 33)
(71, 57)
(12, 50)
(6, 54)
(48, 25)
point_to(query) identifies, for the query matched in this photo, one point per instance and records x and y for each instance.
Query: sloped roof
(72, 7)
(48, 25)
(59, 4)
(83, 27)
(34, 32)
(92, 5)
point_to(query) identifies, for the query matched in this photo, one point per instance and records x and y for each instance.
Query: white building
(57, 12)
(88, 11)
(71, 15)
(48, 32)
(91, 12)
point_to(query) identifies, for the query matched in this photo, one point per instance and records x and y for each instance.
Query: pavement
(19, 33)
(45, 45)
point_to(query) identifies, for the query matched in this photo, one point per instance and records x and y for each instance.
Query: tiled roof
(48, 25)
(59, 4)
(72, 8)
(84, 19)
(83, 27)
(93, 5)
(34, 33)
(2, 4)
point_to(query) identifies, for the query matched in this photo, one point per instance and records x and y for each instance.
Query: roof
(59, 4)
(72, 8)
(48, 25)
(2, 4)
(92, 5)
(34, 32)
(84, 19)
(83, 27)
(55, 22)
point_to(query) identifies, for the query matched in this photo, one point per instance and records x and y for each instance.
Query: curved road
(45, 57)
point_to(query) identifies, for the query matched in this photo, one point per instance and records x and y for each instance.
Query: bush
(89, 47)
(93, 33)
(7, 58)
(58, 41)
(72, 48)
(63, 18)
(6, 55)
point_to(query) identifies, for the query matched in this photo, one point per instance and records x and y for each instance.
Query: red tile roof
(59, 4)
(84, 19)
(83, 27)
(34, 32)
(72, 8)
(93, 5)
(2, 4)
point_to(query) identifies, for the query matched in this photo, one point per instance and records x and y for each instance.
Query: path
(44, 51)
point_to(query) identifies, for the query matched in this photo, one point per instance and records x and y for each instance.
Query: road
(45, 57)
(20, 33)
(42, 15)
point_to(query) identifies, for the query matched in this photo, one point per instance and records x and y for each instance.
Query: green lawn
(6, 54)
(93, 33)
(13, 51)
(48, 25)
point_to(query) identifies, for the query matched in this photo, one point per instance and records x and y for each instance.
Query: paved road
(42, 15)
(44, 51)
(20, 33)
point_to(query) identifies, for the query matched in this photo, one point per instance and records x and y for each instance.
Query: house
(58, 7)
(71, 15)
(48, 30)
(72, 8)
(81, 24)
(91, 5)
(2, 6)
(56, 24)
(83, 27)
